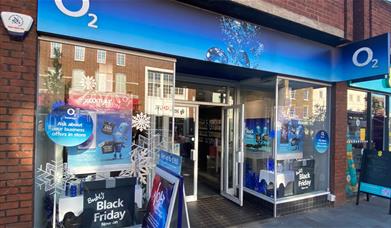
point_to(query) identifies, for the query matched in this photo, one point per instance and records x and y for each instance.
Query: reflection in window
(378, 121)
(55, 46)
(101, 56)
(104, 82)
(120, 83)
(79, 53)
(121, 59)
(77, 79)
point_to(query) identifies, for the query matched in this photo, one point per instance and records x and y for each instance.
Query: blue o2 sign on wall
(181, 30)
(68, 126)
(321, 141)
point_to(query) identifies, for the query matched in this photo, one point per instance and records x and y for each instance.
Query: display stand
(374, 177)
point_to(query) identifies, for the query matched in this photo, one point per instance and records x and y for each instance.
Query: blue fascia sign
(177, 29)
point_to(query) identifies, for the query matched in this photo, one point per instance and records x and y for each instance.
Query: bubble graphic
(216, 55)
(243, 58)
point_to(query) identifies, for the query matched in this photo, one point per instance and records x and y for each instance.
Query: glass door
(186, 145)
(378, 121)
(232, 153)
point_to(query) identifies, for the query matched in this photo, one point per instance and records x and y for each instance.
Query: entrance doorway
(209, 138)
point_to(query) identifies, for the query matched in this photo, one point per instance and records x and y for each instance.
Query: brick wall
(17, 102)
(338, 146)
(372, 17)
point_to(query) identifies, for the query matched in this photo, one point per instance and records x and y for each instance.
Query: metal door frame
(238, 156)
(194, 154)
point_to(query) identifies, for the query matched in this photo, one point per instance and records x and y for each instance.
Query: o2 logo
(79, 13)
(369, 60)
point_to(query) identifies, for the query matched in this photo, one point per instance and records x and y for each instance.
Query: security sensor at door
(17, 24)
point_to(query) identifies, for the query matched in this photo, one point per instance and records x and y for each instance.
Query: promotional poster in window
(257, 135)
(290, 137)
(108, 148)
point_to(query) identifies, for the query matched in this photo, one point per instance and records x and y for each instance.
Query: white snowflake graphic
(88, 83)
(53, 177)
(141, 121)
(141, 164)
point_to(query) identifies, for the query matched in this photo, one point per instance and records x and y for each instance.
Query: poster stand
(374, 178)
(168, 213)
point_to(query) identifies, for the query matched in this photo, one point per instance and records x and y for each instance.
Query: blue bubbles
(216, 55)
(243, 58)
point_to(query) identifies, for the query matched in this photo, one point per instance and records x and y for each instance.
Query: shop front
(368, 125)
(248, 109)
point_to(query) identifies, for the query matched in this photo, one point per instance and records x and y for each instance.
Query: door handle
(239, 155)
(192, 152)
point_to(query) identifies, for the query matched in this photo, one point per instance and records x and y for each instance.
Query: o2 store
(247, 108)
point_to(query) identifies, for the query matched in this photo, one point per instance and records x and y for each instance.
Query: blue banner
(180, 30)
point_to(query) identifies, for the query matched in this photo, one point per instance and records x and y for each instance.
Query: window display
(357, 138)
(98, 127)
(258, 139)
(302, 138)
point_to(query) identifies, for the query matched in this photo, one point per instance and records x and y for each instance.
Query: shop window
(357, 138)
(378, 121)
(104, 82)
(79, 53)
(121, 59)
(120, 83)
(101, 56)
(55, 47)
(105, 129)
(303, 140)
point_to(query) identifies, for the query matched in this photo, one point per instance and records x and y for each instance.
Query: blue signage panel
(171, 162)
(68, 126)
(363, 59)
(177, 29)
(321, 141)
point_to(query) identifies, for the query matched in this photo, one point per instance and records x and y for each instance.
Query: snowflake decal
(141, 121)
(88, 83)
(141, 163)
(53, 177)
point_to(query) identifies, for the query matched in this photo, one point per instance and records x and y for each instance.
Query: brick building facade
(346, 19)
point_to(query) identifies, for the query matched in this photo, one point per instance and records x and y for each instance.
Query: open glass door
(186, 144)
(232, 153)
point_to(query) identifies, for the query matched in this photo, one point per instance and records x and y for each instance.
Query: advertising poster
(304, 176)
(290, 137)
(109, 207)
(158, 208)
(256, 135)
(108, 149)
(69, 126)
(321, 141)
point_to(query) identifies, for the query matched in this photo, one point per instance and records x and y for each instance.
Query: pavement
(368, 214)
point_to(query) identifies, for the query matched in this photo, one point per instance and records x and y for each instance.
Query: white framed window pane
(293, 94)
(120, 83)
(101, 56)
(305, 95)
(77, 77)
(79, 53)
(104, 82)
(305, 111)
(54, 46)
(121, 58)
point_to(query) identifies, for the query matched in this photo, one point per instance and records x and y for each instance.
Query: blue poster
(68, 126)
(108, 149)
(257, 135)
(290, 137)
(321, 141)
